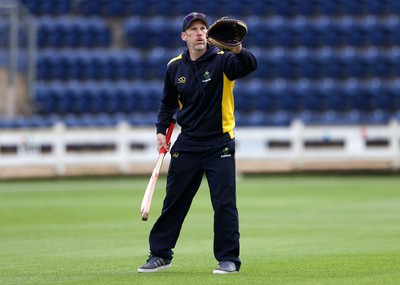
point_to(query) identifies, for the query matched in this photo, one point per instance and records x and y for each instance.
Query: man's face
(195, 36)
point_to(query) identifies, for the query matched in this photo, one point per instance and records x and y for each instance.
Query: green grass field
(294, 230)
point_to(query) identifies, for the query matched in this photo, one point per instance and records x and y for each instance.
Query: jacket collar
(211, 52)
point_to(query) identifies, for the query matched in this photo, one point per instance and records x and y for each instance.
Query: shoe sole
(142, 270)
(217, 271)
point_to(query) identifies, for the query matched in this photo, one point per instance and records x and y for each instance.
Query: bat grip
(168, 137)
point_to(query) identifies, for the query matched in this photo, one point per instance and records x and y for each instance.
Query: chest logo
(206, 77)
(181, 80)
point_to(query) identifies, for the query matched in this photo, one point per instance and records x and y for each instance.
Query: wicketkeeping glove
(227, 33)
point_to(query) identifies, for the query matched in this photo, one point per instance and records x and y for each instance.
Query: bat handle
(168, 137)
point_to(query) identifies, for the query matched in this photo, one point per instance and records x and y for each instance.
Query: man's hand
(162, 142)
(237, 49)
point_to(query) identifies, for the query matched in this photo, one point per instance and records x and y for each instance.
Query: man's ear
(183, 36)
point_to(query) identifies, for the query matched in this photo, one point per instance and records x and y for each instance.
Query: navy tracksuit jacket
(201, 94)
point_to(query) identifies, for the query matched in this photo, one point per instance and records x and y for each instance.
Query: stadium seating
(327, 62)
(44, 7)
(62, 32)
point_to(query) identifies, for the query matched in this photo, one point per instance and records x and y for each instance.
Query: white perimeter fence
(125, 150)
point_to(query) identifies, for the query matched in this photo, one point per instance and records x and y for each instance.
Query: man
(199, 88)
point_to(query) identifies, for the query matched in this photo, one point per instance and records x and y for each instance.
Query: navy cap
(194, 16)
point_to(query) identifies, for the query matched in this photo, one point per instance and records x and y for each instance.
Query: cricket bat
(148, 194)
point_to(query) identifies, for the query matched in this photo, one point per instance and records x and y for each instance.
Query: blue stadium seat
(267, 99)
(111, 102)
(267, 37)
(266, 66)
(380, 96)
(381, 66)
(381, 35)
(156, 64)
(378, 117)
(38, 121)
(331, 117)
(332, 35)
(288, 68)
(60, 66)
(73, 94)
(330, 8)
(394, 94)
(98, 68)
(43, 62)
(395, 64)
(355, 35)
(286, 35)
(255, 96)
(61, 103)
(4, 32)
(308, 35)
(354, 8)
(62, 7)
(132, 65)
(129, 102)
(306, 8)
(240, 97)
(46, 32)
(154, 95)
(252, 119)
(77, 32)
(89, 7)
(377, 7)
(335, 67)
(287, 99)
(257, 8)
(95, 103)
(357, 67)
(71, 120)
(285, 9)
(85, 65)
(114, 8)
(53, 8)
(95, 34)
(393, 7)
(135, 32)
(327, 117)
(353, 117)
(232, 8)
(335, 98)
(310, 66)
(359, 98)
(43, 103)
(280, 118)
(312, 99)
(142, 118)
(307, 117)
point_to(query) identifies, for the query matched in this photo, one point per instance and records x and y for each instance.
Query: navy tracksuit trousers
(189, 162)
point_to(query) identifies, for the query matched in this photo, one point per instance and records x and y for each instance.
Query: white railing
(60, 151)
